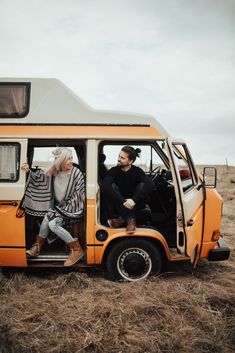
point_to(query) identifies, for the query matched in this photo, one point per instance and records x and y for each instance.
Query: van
(181, 221)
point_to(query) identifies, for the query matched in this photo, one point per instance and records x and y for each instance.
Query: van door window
(9, 162)
(182, 160)
(148, 160)
(43, 157)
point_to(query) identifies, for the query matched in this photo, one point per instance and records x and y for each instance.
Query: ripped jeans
(56, 224)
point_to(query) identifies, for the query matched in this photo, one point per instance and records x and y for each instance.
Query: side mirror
(209, 177)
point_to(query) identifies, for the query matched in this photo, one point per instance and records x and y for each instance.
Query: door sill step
(47, 258)
(52, 264)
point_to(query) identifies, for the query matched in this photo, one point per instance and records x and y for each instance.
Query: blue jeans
(56, 225)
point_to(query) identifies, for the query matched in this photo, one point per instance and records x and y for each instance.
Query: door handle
(10, 203)
(190, 223)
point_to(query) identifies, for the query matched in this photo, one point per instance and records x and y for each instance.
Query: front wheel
(133, 259)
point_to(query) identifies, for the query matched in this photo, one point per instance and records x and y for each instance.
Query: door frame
(190, 206)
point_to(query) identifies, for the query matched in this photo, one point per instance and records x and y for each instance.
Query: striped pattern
(39, 195)
(73, 204)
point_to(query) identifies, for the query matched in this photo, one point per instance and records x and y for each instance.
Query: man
(126, 189)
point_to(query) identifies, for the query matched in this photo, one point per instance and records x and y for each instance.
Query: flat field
(79, 311)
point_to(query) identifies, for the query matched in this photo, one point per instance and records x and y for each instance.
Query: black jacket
(133, 184)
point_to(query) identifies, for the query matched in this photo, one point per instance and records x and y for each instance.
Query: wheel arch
(156, 242)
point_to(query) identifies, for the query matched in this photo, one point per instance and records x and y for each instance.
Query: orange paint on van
(12, 240)
(79, 131)
(13, 235)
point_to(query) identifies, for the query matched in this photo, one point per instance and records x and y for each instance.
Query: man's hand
(129, 203)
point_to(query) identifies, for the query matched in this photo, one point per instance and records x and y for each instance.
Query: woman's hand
(52, 213)
(25, 167)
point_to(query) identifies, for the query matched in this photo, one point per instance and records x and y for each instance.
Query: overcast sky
(174, 59)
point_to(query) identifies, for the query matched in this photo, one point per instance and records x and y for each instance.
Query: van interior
(40, 156)
(159, 212)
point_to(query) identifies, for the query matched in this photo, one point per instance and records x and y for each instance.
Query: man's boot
(131, 224)
(34, 251)
(115, 222)
(75, 255)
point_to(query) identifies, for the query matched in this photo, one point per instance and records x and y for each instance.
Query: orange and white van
(181, 221)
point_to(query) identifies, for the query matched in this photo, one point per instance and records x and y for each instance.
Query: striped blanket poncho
(39, 195)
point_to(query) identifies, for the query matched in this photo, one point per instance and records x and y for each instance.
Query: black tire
(133, 259)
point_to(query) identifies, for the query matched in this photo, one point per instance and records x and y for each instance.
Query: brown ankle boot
(34, 251)
(75, 255)
(131, 224)
(115, 222)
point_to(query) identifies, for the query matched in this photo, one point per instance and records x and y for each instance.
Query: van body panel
(207, 247)
(194, 235)
(103, 131)
(120, 233)
(13, 257)
(12, 228)
(12, 240)
(213, 213)
(212, 220)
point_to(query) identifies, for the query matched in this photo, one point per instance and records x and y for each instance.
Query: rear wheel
(133, 259)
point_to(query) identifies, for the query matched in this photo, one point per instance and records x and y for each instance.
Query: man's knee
(115, 187)
(140, 186)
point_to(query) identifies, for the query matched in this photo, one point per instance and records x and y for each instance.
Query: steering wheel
(154, 173)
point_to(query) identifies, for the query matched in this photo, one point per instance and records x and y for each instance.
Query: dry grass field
(79, 311)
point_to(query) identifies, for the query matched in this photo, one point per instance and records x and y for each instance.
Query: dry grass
(180, 311)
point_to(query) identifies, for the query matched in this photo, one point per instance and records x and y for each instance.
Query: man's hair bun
(138, 152)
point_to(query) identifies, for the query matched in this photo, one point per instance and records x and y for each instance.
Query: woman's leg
(40, 239)
(56, 226)
(44, 227)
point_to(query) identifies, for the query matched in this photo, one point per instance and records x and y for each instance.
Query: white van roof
(51, 102)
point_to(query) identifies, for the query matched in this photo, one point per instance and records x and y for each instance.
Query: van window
(9, 162)
(147, 161)
(43, 157)
(182, 160)
(14, 99)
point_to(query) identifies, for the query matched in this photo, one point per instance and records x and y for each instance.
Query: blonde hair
(60, 154)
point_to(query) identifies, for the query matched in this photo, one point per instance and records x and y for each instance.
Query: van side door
(12, 184)
(191, 195)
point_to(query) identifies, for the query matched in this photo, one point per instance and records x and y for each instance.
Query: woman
(59, 194)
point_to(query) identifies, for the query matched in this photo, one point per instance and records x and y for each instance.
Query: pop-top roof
(51, 102)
